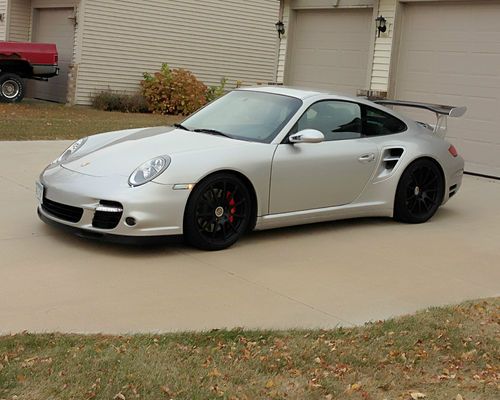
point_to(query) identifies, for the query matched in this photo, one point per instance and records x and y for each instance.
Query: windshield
(246, 115)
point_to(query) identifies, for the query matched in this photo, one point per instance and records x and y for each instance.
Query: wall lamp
(280, 28)
(2, 17)
(381, 24)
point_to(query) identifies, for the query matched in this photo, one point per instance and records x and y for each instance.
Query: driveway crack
(271, 290)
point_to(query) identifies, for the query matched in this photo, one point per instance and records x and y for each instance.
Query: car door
(334, 172)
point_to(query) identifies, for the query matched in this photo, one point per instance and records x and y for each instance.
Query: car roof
(291, 91)
(319, 95)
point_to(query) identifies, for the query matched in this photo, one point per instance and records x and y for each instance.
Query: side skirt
(372, 209)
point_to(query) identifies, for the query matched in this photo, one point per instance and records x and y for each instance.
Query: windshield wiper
(212, 132)
(180, 126)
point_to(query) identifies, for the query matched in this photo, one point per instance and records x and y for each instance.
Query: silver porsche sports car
(257, 158)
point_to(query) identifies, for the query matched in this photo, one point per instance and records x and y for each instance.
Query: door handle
(366, 158)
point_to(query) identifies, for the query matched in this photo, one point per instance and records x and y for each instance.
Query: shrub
(109, 100)
(173, 91)
(214, 92)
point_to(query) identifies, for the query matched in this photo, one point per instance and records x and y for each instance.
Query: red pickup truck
(19, 61)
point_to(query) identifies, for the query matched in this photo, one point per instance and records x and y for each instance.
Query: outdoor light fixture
(280, 28)
(2, 17)
(381, 24)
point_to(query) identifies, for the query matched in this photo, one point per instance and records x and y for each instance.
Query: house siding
(3, 24)
(122, 39)
(383, 48)
(19, 20)
(280, 73)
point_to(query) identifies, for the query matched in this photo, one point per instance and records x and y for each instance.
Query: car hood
(120, 153)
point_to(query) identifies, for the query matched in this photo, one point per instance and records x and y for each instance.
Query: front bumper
(157, 209)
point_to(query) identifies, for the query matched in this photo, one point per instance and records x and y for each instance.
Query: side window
(380, 123)
(337, 120)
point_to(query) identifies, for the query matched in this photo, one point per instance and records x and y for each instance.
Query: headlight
(149, 171)
(70, 151)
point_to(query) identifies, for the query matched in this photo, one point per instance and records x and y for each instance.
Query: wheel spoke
(233, 227)
(204, 214)
(430, 181)
(240, 202)
(234, 192)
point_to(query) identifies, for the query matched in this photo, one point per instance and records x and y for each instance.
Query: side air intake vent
(391, 158)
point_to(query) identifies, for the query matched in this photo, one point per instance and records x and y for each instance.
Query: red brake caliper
(232, 211)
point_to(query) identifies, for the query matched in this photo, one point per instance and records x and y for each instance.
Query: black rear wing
(441, 111)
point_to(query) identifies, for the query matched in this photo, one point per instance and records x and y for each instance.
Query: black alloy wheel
(420, 192)
(218, 212)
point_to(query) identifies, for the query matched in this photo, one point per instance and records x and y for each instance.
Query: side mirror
(307, 136)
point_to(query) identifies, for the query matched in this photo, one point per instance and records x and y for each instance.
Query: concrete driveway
(323, 275)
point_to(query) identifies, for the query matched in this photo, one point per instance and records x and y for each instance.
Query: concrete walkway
(324, 275)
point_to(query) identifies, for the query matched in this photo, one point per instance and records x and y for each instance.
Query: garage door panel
(340, 77)
(54, 25)
(450, 54)
(330, 49)
(482, 154)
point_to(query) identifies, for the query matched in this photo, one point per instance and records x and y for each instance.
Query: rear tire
(420, 192)
(217, 213)
(12, 88)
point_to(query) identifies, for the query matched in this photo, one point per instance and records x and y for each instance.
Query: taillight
(453, 151)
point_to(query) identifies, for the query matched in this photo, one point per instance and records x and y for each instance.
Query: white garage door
(450, 54)
(330, 49)
(54, 25)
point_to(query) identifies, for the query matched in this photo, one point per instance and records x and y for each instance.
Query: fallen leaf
(215, 373)
(459, 397)
(417, 395)
(353, 388)
(119, 396)
(269, 384)
(21, 378)
(165, 389)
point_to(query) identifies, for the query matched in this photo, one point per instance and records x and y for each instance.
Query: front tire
(218, 212)
(419, 193)
(12, 88)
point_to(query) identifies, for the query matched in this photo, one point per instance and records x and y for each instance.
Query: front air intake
(107, 215)
(62, 211)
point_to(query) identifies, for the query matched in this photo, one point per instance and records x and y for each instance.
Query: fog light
(130, 221)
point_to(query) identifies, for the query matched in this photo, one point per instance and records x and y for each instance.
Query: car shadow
(167, 246)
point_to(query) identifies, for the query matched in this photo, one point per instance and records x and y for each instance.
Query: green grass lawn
(442, 353)
(37, 120)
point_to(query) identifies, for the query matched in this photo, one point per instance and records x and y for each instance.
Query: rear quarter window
(379, 123)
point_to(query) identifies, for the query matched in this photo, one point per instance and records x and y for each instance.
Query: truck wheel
(11, 88)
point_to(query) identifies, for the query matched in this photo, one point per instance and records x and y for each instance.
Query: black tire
(12, 88)
(420, 192)
(218, 212)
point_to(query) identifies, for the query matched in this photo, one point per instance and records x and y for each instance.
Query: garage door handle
(366, 158)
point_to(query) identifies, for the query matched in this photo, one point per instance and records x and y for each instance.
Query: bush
(214, 92)
(109, 100)
(173, 91)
